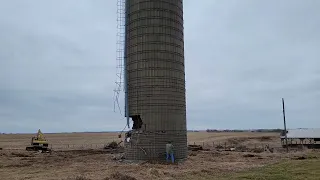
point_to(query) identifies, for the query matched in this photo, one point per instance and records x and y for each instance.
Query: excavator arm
(40, 136)
(40, 139)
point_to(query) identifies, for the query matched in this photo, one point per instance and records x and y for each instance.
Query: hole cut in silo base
(137, 122)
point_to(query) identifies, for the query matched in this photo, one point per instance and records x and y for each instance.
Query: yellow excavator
(38, 143)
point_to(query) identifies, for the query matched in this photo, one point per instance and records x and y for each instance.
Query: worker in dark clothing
(169, 151)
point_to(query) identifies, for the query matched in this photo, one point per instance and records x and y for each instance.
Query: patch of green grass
(308, 169)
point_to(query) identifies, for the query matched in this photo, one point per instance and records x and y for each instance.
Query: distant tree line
(249, 130)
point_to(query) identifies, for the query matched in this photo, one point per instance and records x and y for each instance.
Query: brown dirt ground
(63, 164)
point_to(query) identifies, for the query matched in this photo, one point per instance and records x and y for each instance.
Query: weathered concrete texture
(156, 74)
(151, 145)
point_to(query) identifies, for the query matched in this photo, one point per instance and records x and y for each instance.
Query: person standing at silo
(169, 151)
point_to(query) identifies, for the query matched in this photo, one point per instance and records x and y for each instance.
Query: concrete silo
(155, 78)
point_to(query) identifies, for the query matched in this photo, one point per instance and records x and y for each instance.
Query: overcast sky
(57, 64)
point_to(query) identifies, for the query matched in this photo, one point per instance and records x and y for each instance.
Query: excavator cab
(38, 143)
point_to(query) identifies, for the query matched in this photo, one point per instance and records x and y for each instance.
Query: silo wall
(156, 78)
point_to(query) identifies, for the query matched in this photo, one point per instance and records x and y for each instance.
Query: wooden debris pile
(195, 147)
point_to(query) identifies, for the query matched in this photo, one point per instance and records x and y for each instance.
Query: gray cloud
(57, 64)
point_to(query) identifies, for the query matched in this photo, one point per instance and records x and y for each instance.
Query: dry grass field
(90, 161)
(97, 140)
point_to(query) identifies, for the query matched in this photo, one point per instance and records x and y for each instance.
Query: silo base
(151, 146)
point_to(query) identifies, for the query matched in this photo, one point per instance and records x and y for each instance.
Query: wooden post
(285, 126)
